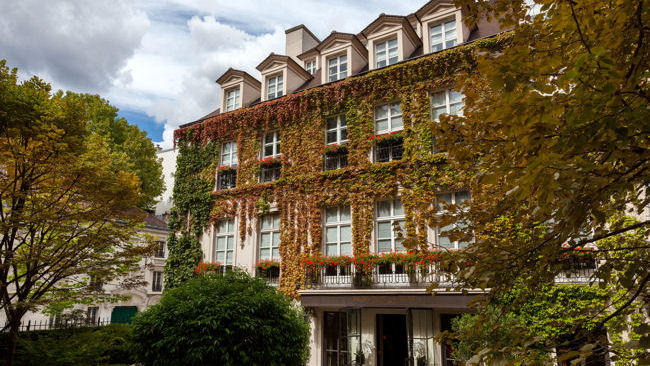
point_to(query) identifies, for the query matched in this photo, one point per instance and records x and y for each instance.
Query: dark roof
(151, 221)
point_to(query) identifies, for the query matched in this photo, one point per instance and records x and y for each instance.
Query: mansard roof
(385, 19)
(231, 73)
(274, 58)
(346, 37)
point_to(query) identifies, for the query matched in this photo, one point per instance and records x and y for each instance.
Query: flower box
(387, 138)
(270, 162)
(334, 149)
(224, 169)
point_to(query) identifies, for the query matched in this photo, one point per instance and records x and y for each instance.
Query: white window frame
(389, 219)
(340, 119)
(232, 99)
(384, 55)
(274, 142)
(273, 231)
(277, 84)
(454, 245)
(229, 157)
(340, 61)
(338, 224)
(160, 249)
(310, 66)
(225, 235)
(157, 279)
(443, 28)
(389, 117)
(447, 106)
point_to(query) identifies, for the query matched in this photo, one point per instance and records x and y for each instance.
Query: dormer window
(337, 67)
(386, 53)
(232, 100)
(443, 35)
(310, 66)
(274, 87)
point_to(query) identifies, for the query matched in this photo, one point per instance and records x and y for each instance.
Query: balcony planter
(268, 268)
(387, 138)
(335, 149)
(270, 162)
(224, 169)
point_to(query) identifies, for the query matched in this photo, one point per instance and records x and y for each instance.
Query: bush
(74, 346)
(215, 319)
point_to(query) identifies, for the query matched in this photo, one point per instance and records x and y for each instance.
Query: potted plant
(420, 354)
(359, 358)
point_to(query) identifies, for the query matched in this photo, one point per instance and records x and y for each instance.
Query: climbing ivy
(304, 189)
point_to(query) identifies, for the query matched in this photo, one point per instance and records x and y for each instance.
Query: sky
(157, 60)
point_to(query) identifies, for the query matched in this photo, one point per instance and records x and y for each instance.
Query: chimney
(299, 39)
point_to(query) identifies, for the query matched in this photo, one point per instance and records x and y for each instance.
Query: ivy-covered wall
(304, 189)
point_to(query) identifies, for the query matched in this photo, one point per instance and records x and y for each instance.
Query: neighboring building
(388, 315)
(151, 270)
(165, 203)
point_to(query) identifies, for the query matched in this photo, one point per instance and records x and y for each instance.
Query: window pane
(331, 124)
(230, 242)
(436, 47)
(455, 97)
(438, 99)
(220, 257)
(450, 35)
(222, 227)
(449, 44)
(331, 235)
(267, 222)
(450, 24)
(276, 239)
(398, 210)
(384, 230)
(330, 215)
(462, 197)
(381, 125)
(342, 121)
(381, 46)
(383, 246)
(443, 197)
(230, 226)
(437, 112)
(443, 240)
(344, 134)
(229, 257)
(343, 58)
(381, 112)
(266, 240)
(332, 62)
(331, 249)
(395, 109)
(345, 234)
(396, 123)
(456, 109)
(221, 243)
(225, 149)
(383, 208)
(346, 249)
(331, 136)
(276, 221)
(276, 253)
(345, 213)
(268, 150)
(392, 43)
(436, 29)
(265, 253)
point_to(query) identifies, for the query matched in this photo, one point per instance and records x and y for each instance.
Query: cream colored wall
(298, 42)
(293, 80)
(359, 61)
(249, 94)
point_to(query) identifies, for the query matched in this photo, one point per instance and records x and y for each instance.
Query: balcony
(271, 275)
(380, 276)
(227, 179)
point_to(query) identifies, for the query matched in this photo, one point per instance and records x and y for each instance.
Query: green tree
(555, 129)
(215, 319)
(122, 137)
(67, 205)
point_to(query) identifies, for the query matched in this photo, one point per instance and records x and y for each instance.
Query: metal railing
(336, 160)
(52, 323)
(389, 151)
(227, 179)
(269, 174)
(381, 276)
(271, 275)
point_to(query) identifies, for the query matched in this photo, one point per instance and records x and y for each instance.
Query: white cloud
(162, 57)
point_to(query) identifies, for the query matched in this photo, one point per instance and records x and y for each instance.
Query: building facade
(327, 166)
(137, 299)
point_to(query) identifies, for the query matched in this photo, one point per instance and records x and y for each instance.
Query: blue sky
(157, 60)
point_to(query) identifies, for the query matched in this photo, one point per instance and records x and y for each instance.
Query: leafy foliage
(229, 319)
(68, 205)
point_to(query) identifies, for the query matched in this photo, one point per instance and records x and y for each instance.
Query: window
(338, 235)
(270, 237)
(390, 214)
(342, 337)
(271, 144)
(446, 101)
(337, 68)
(386, 53)
(91, 314)
(227, 178)
(274, 88)
(336, 132)
(450, 198)
(443, 35)
(224, 242)
(160, 251)
(95, 284)
(157, 283)
(232, 100)
(388, 118)
(310, 66)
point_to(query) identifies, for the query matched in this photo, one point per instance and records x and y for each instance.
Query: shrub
(215, 319)
(74, 346)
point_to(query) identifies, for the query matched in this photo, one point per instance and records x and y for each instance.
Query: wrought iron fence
(269, 174)
(388, 151)
(381, 275)
(53, 323)
(271, 275)
(336, 160)
(227, 179)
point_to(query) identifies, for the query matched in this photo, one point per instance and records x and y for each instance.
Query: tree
(555, 131)
(67, 217)
(216, 319)
(122, 137)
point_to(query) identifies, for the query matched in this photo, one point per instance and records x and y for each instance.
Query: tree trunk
(14, 326)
